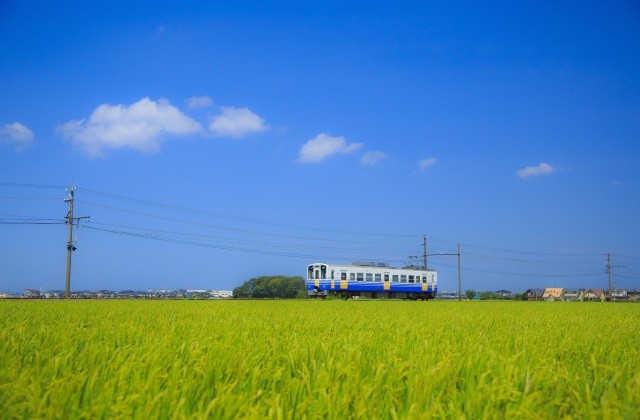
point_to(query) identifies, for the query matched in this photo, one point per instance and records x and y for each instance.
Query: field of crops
(335, 359)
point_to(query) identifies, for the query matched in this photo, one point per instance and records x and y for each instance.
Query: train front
(317, 283)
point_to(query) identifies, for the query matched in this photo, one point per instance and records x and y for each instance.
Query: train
(371, 280)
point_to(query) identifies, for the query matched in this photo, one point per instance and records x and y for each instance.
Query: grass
(290, 359)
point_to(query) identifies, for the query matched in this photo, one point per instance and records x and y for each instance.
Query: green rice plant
(310, 359)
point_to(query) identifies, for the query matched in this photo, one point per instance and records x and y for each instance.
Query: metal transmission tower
(69, 220)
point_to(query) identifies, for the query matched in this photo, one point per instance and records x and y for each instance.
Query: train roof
(366, 264)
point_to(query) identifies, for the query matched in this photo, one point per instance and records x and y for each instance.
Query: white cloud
(541, 169)
(140, 126)
(199, 102)
(372, 158)
(323, 146)
(236, 122)
(423, 164)
(16, 134)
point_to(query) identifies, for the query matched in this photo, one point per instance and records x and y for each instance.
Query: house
(534, 294)
(221, 294)
(633, 295)
(503, 294)
(444, 295)
(31, 294)
(54, 294)
(593, 295)
(105, 294)
(619, 295)
(553, 293)
(572, 295)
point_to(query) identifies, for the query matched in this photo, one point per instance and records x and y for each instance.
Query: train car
(371, 280)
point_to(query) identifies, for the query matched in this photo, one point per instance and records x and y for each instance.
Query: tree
(266, 287)
(470, 293)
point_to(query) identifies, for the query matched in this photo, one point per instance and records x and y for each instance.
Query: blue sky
(212, 142)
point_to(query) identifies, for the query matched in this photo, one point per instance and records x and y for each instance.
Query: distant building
(504, 294)
(553, 293)
(31, 294)
(633, 295)
(534, 294)
(593, 295)
(620, 294)
(572, 295)
(445, 295)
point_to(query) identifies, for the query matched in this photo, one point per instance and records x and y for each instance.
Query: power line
(17, 185)
(309, 242)
(516, 260)
(208, 225)
(223, 247)
(245, 241)
(31, 223)
(511, 251)
(13, 197)
(232, 217)
(628, 277)
(521, 274)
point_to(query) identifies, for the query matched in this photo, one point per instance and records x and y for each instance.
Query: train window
(369, 276)
(378, 277)
(343, 275)
(403, 278)
(386, 277)
(332, 274)
(317, 274)
(323, 272)
(310, 272)
(411, 279)
(352, 276)
(360, 276)
(394, 278)
(424, 279)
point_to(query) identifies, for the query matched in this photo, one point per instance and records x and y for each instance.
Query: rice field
(311, 359)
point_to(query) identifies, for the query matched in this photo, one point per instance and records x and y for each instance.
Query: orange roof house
(553, 293)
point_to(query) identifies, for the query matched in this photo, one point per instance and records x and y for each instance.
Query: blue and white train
(371, 280)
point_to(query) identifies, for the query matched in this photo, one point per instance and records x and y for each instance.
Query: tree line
(271, 287)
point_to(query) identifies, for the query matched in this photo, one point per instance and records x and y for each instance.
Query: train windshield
(310, 272)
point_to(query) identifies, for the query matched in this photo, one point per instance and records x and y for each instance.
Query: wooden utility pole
(70, 247)
(69, 220)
